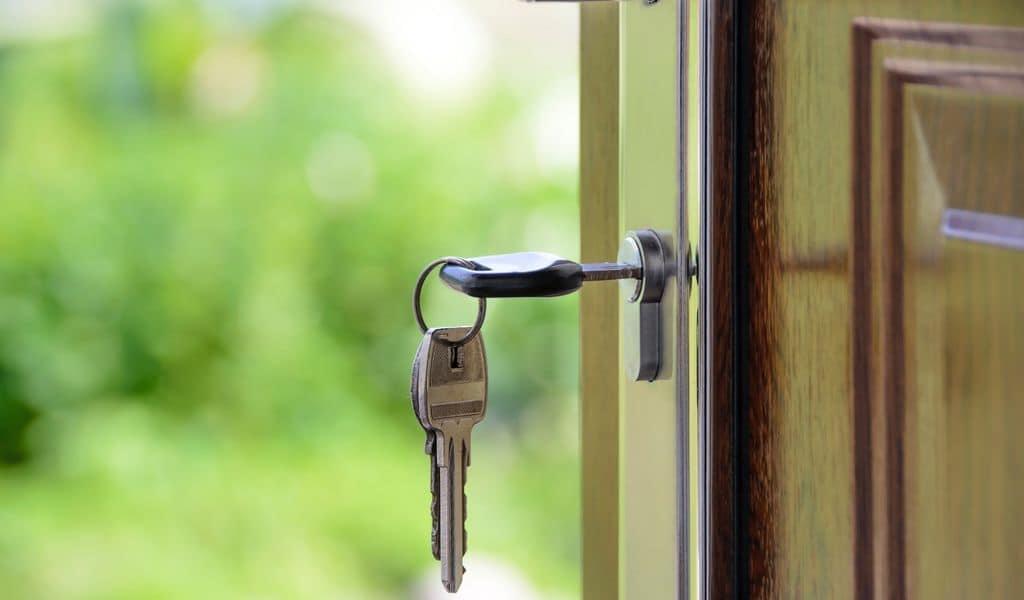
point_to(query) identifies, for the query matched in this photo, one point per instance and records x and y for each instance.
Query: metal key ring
(481, 305)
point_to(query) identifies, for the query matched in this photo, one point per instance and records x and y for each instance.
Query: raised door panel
(942, 103)
(955, 383)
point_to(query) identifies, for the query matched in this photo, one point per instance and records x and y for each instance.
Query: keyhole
(456, 358)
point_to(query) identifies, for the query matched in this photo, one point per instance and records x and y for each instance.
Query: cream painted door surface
(639, 454)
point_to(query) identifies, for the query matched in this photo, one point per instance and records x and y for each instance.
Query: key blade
(453, 516)
(610, 271)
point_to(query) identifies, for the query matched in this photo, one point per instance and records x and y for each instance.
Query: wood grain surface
(879, 467)
(952, 330)
(717, 282)
(862, 375)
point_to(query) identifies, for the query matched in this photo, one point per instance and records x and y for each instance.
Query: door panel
(864, 203)
(958, 326)
(935, 125)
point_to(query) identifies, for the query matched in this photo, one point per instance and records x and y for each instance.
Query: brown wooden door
(863, 280)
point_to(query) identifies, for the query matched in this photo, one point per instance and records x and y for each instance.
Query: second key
(453, 397)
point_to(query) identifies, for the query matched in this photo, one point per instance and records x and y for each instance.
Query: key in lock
(645, 263)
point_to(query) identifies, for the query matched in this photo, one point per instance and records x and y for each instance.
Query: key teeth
(435, 498)
(465, 503)
(435, 532)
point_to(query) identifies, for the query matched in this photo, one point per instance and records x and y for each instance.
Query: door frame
(638, 439)
(719, 513)
(599, 315)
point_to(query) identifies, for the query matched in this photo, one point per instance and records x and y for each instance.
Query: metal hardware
(645, 263)
(642, 336)
(528, 275)
(481, 311)
(610, 271)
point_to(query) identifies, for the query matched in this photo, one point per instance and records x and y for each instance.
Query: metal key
(428, 447)
(452, 394)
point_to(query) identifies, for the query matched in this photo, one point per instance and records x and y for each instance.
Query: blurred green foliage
(204, 360)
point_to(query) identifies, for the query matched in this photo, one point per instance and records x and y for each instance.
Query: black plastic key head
(520, 275)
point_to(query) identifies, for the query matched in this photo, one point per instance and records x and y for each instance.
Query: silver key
(428, 447)
(452, 393)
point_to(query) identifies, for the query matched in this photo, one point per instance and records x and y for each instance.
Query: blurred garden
(211, 218)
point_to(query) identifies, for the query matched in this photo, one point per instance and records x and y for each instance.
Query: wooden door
(863, 289)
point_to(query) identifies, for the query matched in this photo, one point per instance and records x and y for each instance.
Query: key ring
(481, 311)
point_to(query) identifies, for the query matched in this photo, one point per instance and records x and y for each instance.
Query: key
(452, 393)
(428, 448)
(531, 275)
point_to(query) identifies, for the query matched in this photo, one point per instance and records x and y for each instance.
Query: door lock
(644, 265)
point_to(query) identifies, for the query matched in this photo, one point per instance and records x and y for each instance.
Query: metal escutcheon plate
(642, 330)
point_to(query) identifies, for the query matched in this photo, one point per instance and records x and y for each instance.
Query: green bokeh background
(204, 364)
